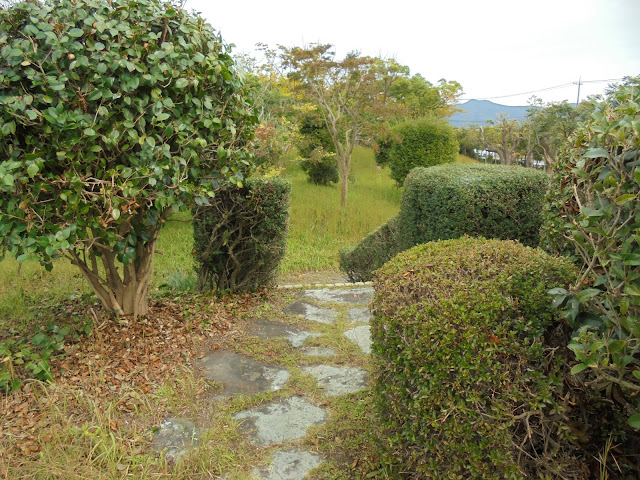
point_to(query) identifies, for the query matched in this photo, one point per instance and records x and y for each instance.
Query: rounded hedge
(467, 382)
(420, 143)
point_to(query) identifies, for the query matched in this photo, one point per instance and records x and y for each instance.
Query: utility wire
(564, 85)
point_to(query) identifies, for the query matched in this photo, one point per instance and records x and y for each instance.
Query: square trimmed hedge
(240, 238)
(449, 201)
(492, 201)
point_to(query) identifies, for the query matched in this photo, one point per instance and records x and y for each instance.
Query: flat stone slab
(296, 337)
(241, 374)
(175, 437)
(289, 465)
(362, 295)
(280, 421)
(359, 315)
(361, 336)
(318, 352)
(337, 381)
(311, 312)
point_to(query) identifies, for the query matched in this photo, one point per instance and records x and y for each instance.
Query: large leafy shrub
(479, 200)
(594, 215)
(468, 376)
(113, 115)
(418, 143)
(240, 238)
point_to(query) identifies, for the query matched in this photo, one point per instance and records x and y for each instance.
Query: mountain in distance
(478, 112)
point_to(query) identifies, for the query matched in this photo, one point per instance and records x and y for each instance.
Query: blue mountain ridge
(478, 112)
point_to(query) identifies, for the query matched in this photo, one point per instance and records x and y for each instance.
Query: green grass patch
(465, 159)
(319, 228)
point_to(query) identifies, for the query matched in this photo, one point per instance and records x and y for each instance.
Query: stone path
(285, 419)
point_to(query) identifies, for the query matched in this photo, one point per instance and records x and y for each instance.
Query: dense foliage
(317, 150)
(593, 214)
(479, 200)
(419, 143)
(240, 238)
(113, 115)
(449, 201)
(371, 253)
(466, 385)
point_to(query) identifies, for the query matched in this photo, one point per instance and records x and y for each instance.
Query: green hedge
(240, 238)
(371, 253)
(463, 373)
(449, 201)
(493, 201)
(419, 143)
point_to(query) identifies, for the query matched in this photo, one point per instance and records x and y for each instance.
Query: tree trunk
(121, 293)
(344, 165)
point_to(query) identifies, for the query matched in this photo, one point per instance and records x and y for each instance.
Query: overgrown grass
(319, 228)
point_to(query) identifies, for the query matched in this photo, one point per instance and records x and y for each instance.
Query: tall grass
(319, 227)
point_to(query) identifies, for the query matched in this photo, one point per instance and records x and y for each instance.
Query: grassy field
(319, 228)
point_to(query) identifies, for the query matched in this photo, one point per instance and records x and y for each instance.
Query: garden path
(283, 421)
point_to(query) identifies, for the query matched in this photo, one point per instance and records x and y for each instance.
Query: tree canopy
(113, 115)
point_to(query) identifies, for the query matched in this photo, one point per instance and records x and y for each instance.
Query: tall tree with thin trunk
(349, 93)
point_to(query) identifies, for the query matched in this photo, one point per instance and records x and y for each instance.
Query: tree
(551, 126)
(348, 93)
(502, 137)
(113, 115)
(421, 98)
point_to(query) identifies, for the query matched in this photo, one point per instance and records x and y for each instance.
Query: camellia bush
(593, 214)
(113, 115)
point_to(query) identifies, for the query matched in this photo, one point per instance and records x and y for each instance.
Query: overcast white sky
(492, 47)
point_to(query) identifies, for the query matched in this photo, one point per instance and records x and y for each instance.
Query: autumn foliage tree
(349, 95)
(113, 115)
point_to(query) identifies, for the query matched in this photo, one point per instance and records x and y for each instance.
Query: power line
(555, 87)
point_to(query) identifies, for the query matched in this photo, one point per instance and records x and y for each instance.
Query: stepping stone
(362, 295)
(361, 336)
(359, 315)
(289, 465)
(318, 352)
(311, 312)
(280, 421)
(338, 380)
(175, 437)
(295, 336)
(241, 374)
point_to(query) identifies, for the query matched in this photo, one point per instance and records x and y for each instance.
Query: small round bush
(467, 383)
(420, 143)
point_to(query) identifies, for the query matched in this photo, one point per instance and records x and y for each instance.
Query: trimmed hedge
(492, 201)
(240, 238)
(371, 253)
(464, 376)
(449, 201)
(423, 142)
